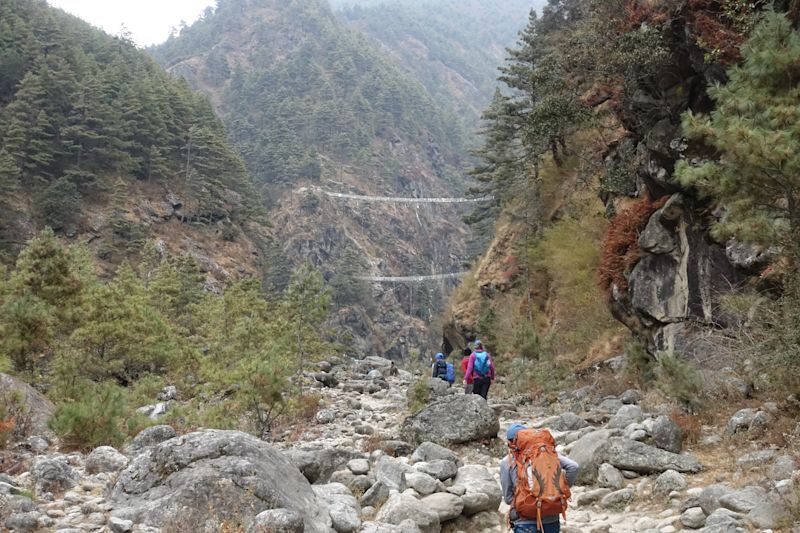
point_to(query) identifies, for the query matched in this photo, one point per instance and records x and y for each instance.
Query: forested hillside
(452, 47)
(99, 143)
(644, 158)
(311, 104)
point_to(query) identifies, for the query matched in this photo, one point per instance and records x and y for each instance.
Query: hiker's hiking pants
(555, 527)
(481, 387)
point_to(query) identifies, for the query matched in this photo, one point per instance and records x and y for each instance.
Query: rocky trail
(365, 465)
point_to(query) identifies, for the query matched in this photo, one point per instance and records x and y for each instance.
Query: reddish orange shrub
(690, 426)
(620, 249)
(511, 268)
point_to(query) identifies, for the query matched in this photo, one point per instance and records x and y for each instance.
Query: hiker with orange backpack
(536, 480)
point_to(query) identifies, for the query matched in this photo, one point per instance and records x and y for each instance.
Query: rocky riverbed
(366, 465)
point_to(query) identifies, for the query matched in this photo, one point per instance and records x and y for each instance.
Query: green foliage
(417, 395)
(678, 379)
(756, 129)
(304, 307)
(487, 324)
(327, 98)
(639, 363)
(93, 419)
(81, 111)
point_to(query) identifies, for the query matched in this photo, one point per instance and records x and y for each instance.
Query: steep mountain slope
(311, 104)
(452, 47)
(99, 143)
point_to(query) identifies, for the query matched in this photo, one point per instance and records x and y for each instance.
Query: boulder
(631, 397)
(482, 490)
(710, 496)
(358, 466)
(667, 435)
(150, 437)
(317, 465)
(567, 421)
(783, 468)
(38, 409)
(746, 420)
(279, 521)
(638, 457)
(420, 482)
(105, 459)
(693, 518)
(610, 477)
(391, 472)
(586, 452)
(342, 506)
(212, 475)
(170, 392)
(118, 525)
(440, 469)
(453, 420)
(617, 498)
(625, 416)
(53, 474)
(667, 482)
(23, 522)
(430, 451)
(447, 506)
(328, 380)
(325, 416)
(377, 494)
(401, 507)
(406, 526)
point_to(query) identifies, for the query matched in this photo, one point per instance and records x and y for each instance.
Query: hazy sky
(149, 21)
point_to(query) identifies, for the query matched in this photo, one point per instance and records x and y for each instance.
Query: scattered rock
(693, 518)
(617, 498)
(430, 451)
(279, 521)
(667, 435)
(53, 474)
(668, 482)
(447, 506)
(610, 477)
(150, 437)
(105, 459)
(400, 507)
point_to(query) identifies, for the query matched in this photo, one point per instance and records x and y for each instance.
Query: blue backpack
(451, 373)
(481, 365)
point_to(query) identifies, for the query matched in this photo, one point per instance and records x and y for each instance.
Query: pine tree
(304, 308)
(756, 128)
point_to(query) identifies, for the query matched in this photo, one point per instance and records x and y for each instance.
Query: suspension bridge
(401, 200)
(396, 199)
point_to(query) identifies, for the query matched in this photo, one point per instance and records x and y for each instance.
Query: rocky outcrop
(212, 474)
(37, 409)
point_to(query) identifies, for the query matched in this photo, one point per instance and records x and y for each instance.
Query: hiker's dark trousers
(481, 386)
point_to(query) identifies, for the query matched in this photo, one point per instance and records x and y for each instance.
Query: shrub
(678, 379)
(94, 419)
(14, 417)
(418, 395)
(690, 425)
(639, 364)
(620, 249)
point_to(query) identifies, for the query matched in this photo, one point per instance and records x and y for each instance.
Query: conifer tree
(756, 128)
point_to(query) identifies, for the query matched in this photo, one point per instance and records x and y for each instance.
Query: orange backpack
(541, 488)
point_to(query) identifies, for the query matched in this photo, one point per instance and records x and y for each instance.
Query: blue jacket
(508, 482)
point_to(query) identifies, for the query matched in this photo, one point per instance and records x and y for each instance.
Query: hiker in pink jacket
(480, 369)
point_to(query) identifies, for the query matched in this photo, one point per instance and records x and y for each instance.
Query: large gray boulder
(567, 421)
(627, 454)
(279, 521)
(447, 506)
(203, 478)
(402, 507)
(453, 420)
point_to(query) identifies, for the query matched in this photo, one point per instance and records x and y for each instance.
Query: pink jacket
(471, 375)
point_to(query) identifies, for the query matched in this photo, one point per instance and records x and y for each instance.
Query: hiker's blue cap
(511, 434)
(440, 355)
